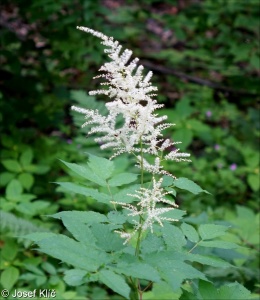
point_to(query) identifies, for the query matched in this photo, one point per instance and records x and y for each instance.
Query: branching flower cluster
(141, 131)
(147, 208)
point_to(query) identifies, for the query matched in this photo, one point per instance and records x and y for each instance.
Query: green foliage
(114, 282)
(9, 277)
(100, 171)
(43, 70)
(188, 185)
(96, 253)
(229, 291)
(190, 232)
(17, 226)
(95, 231)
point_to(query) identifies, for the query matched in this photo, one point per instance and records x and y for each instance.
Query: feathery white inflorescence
(132, 98)
(147, 208)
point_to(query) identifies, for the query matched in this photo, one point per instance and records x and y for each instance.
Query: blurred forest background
(205, 59)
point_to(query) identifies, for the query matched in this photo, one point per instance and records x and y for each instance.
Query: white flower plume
(147, 208)
(132, 98)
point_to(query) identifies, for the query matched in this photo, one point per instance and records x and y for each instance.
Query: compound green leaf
(87, 217)
(162, 291)
(188, 185)
(116, 217)
(138, 270)
(234, 291)
(229, 291)
(37, 236)
(89, 192)
(211, 231)
(86, 173)
(121, 179)
(175, 214)
(107, 239)
(152, 243)
(212, 261)
(175, 272)
(72, 252)
(75, 277)
(190, 232)
(123, 195)
(101, 166)
(167, 181)
(115, 282)
(78, 222)
(218, 244)
(173, 237)
(208, 291)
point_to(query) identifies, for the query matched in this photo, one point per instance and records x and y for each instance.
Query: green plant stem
(134, 295)
(142, 163)
(112, 197)
(194, 246)
(137, 249)
(137, 288)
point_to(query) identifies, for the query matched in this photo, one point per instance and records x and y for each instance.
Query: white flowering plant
(140, 249)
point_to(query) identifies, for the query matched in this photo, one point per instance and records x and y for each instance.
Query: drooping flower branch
(141, 132)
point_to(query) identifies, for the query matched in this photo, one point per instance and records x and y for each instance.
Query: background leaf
(188, 185)
(12, 165)
(26, 157)
(26, 180)
(9, 277)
